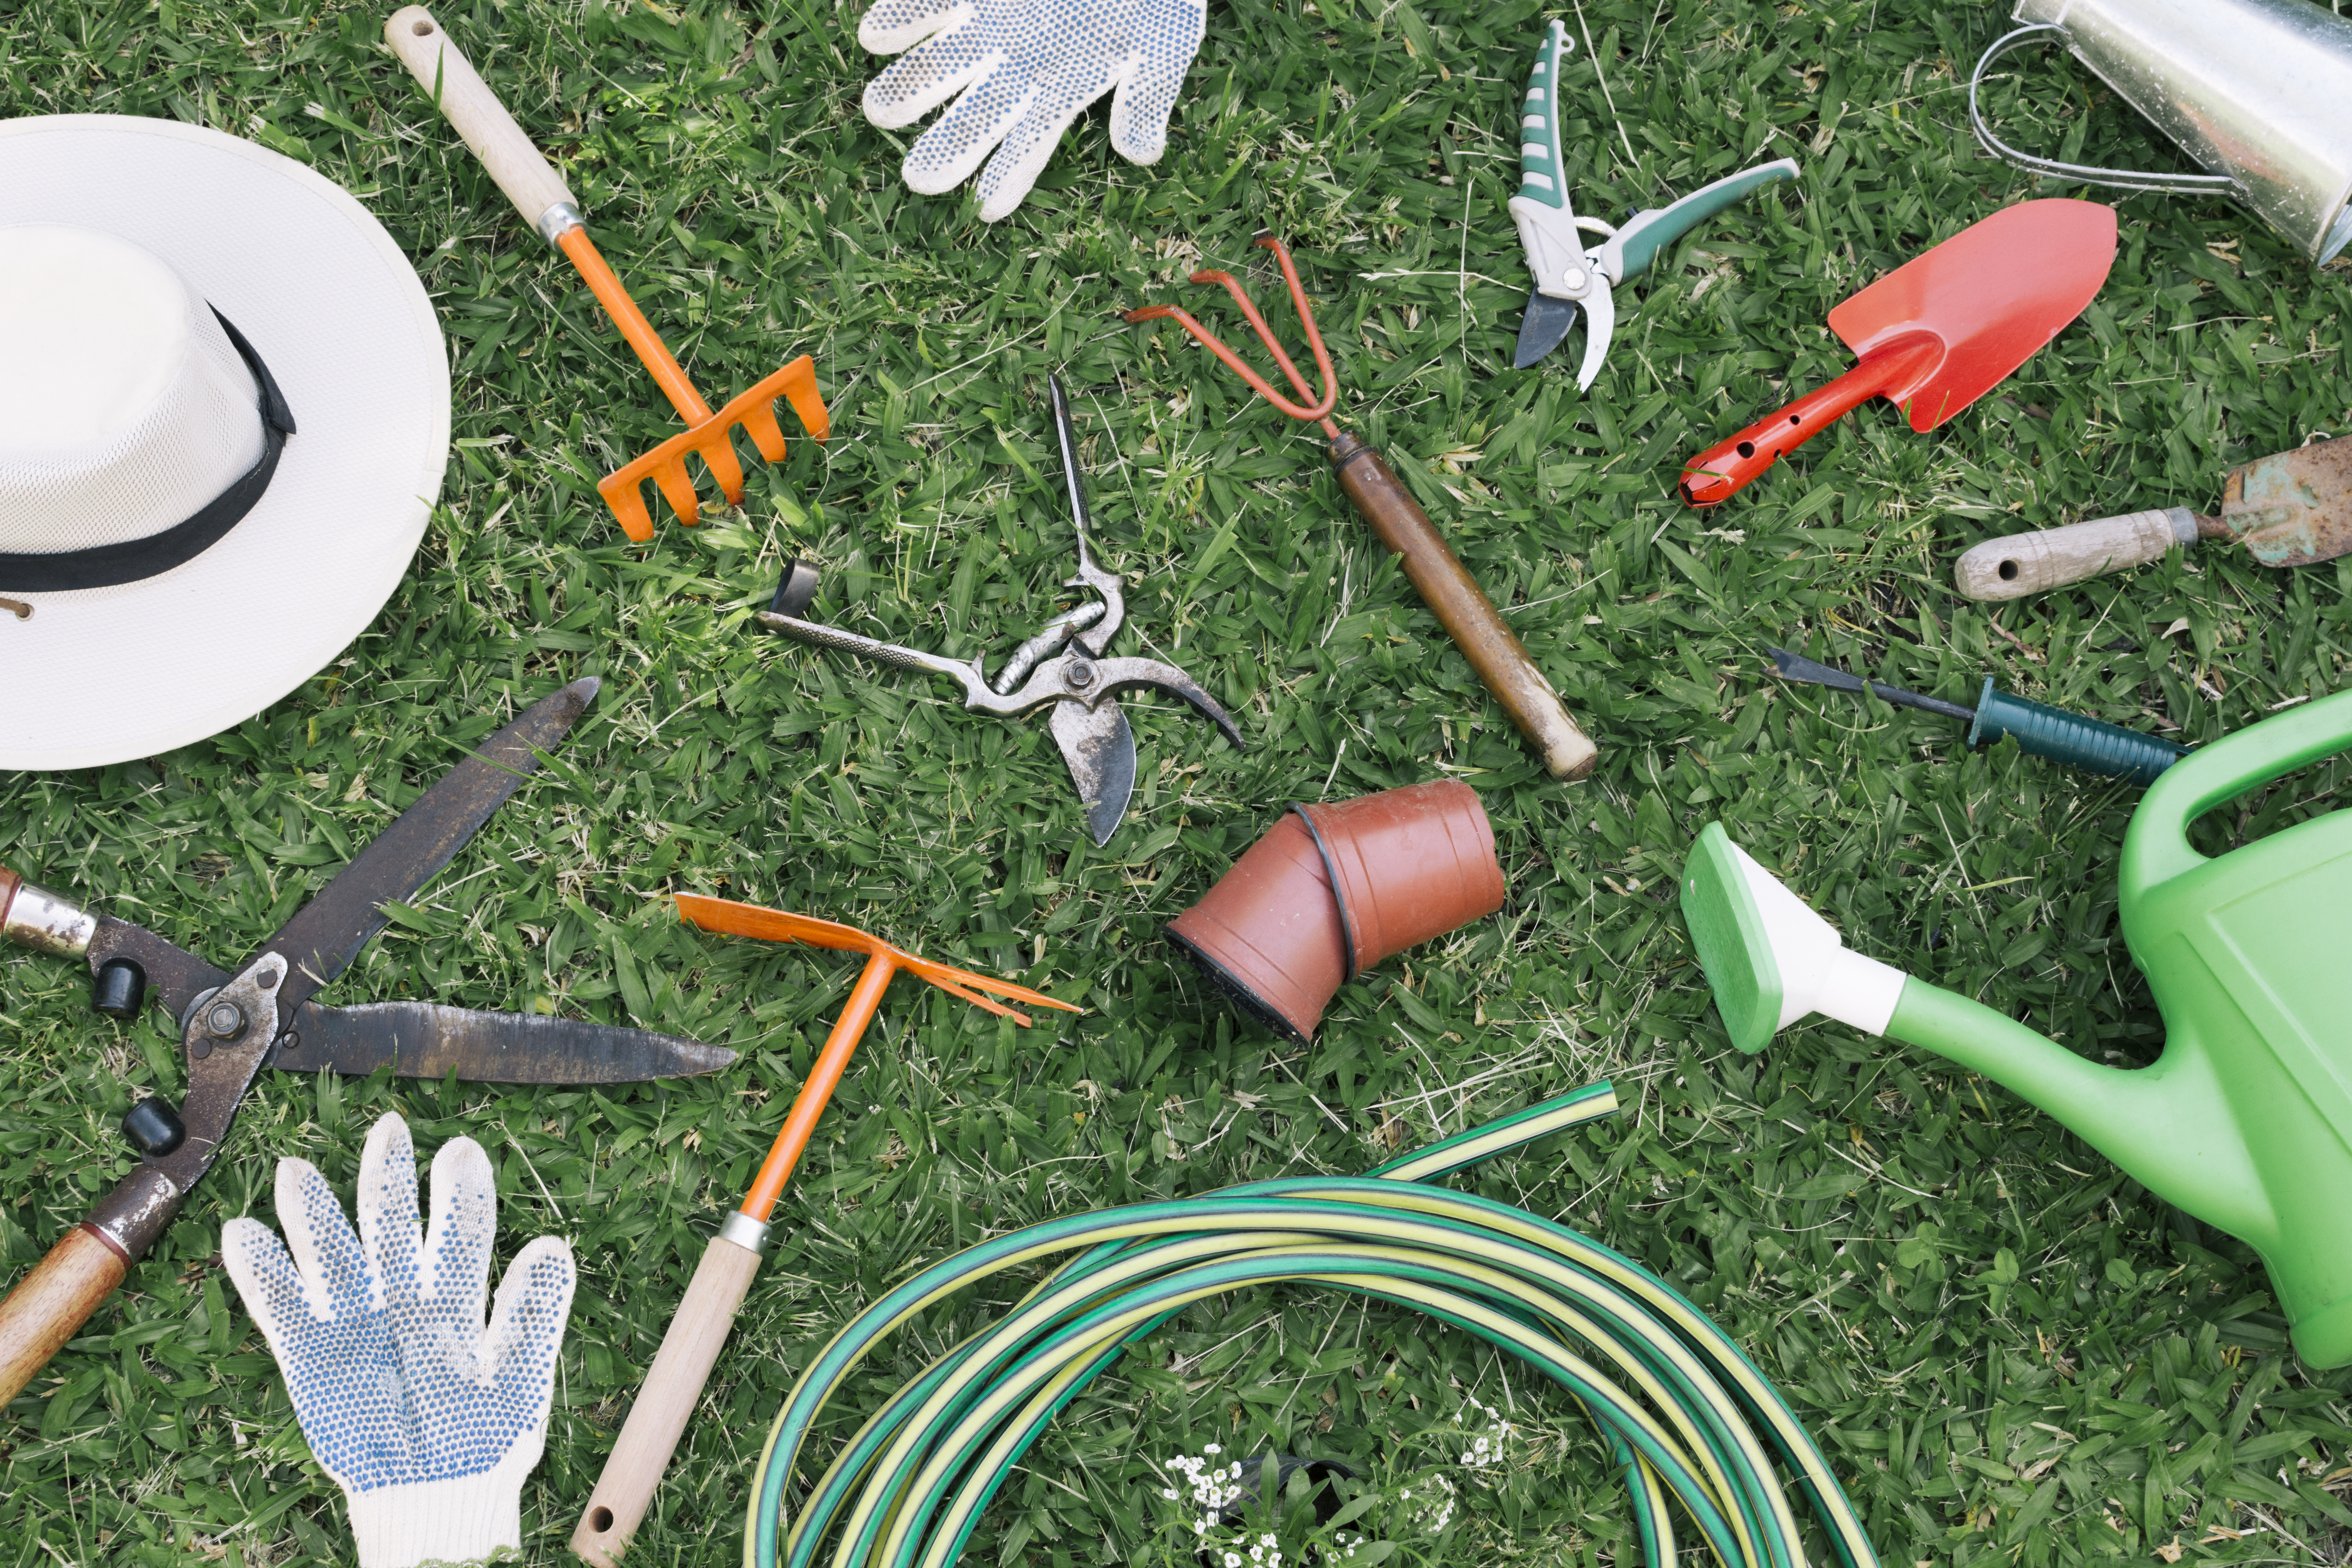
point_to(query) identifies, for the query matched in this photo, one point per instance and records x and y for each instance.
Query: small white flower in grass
(1168, 1492)
(1211, 1449)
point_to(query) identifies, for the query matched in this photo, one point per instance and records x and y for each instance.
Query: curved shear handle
(1632, 249)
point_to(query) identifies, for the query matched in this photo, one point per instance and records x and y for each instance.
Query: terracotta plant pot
(1331, 890)
(1268, 934)
(1409, 865)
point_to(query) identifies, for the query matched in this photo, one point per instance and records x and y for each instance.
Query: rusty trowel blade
(2292, 509)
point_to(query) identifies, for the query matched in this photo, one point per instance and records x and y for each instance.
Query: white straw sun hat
(224, 419)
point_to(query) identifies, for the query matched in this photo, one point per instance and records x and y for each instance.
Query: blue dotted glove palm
(427, 1420)
(1025, 68)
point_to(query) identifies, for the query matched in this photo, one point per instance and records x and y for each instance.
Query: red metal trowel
(1938, 333)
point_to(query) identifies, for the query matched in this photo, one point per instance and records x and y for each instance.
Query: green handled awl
(1568, 274)
(2076, 739)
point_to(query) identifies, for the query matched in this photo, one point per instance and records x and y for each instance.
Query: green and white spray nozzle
(1770, 959)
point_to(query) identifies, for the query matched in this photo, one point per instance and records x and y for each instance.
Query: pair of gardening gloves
(428, 1417)
(1025, 69)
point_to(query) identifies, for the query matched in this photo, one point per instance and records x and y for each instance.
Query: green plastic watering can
(2245, 1122)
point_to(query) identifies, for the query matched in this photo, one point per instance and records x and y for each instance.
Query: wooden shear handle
(53, 1301)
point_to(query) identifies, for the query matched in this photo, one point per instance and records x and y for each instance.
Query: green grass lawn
(2011, 1350)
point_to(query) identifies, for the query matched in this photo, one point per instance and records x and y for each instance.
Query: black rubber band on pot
(1338, 899)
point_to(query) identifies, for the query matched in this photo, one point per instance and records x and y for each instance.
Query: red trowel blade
(1994, 293)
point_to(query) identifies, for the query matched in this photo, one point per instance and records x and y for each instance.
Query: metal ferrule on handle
(2091, 745)
(34, 917)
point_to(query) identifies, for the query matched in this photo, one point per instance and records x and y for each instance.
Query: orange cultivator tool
(687, 1351)
(539, 194)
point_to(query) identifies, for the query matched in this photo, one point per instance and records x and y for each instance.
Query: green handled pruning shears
(1568, 274)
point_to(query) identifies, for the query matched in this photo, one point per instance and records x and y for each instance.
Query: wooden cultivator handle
(1463, 608)
(682, 1366)
(663, 1405)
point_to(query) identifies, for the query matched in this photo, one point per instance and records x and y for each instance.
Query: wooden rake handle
(539, 193)
(442, 68)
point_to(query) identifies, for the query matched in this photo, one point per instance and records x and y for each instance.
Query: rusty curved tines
(732, 919)
(1320, 410)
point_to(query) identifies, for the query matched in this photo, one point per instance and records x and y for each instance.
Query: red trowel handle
(1719, 473)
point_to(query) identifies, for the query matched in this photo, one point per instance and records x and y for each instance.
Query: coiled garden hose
(1686, 1414)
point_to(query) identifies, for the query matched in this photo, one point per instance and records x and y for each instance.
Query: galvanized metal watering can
(2256, 91)
(2245, 1120)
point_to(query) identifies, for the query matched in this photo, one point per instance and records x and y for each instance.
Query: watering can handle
(2115, 179)
(2155, 846)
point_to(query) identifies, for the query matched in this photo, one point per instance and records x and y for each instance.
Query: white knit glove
(1025, 68)
(427, 1423)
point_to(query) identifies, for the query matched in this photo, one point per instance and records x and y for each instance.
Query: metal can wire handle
(2115, 179)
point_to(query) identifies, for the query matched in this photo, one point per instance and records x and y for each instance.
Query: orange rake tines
(673, 1387)
(548, 205)
(708, 435)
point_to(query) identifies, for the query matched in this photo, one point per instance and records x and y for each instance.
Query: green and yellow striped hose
(1689, 1416)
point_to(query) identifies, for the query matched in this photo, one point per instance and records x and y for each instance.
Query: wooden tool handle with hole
(1463, 608)
(53, 1301)
(440, 68)
(664, 1404)
(2021, 563)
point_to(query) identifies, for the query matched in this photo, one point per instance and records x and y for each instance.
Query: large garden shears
(233, 1025)
(1568, 273)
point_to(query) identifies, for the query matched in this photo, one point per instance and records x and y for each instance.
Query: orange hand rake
(690, 1347)
(539, 194)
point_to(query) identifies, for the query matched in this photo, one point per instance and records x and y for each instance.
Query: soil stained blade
(322, 940)
(1100, 749)
(425, 1039)
(2293, 509)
